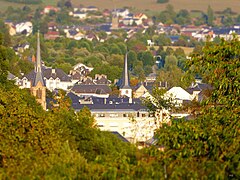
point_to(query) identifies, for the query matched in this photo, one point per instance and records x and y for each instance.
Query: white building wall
(134, 126)
(52, 84)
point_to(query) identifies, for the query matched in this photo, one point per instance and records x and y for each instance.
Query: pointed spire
(38, 65)
(125, 78)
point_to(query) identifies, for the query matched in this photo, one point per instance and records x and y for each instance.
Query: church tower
(115, 20)
(38, 88)
(125, 89)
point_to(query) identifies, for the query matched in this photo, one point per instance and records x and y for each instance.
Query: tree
(210, 16)
(183, 17)
(211, 140)
(146, 57)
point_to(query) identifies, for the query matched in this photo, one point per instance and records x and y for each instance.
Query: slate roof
(120, 136)
(91, 88)
(47, 73)
(125, 77)
(102, 80)
(77, 76)
(199, 87)
(108, 104)
(38, 75)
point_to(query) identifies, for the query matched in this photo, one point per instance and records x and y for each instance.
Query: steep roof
(125, 75)
(50, 73)
(38, 77)
(108, 104)
(91, 88)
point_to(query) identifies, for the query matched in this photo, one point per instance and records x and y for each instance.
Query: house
(101, 79)
(52, 26)
(120, 12)
(89, 8)
(199, 91)
(54, 79)
(24, 28)
(139, 90)
(52, 35)
(74, 34)
(47, 9)
(91, 36)
(127, 21)
(11, 27)
(145, 88)
(83, 69)
(178, 95)
(150, 43)
(106, 12)
(89, 89)
(78, 14)
(140, 16)
(20, 48)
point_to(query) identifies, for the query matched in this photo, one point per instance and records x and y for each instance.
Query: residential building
(47, 9)
(24, 28)
(54, 79)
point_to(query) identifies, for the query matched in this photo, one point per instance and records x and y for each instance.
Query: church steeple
(38, 65)
(38, 88)
(125, 76)
(125, 89)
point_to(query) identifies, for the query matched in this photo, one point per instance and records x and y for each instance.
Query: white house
(24, 28)
(78, 14)
(121, 12)
(53, 78)
(179, 95)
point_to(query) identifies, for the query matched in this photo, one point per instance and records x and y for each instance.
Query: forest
(62, 144)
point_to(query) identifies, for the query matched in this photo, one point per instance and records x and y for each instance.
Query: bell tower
(125, 89)
(38, 88)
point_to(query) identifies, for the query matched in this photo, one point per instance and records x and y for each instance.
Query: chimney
(53, 71)
(105, 100)
(130, 100)
(166, 84)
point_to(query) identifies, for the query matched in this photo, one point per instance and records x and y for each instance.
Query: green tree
(210, 16)
(183, 17)
(212, 139)
(146, 57)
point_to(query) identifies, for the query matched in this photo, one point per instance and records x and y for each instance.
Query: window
(39, 93)
(102, 115)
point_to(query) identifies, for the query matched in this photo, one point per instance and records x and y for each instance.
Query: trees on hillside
(208, 146)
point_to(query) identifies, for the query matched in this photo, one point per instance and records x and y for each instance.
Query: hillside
(152, 5)
(144, 5)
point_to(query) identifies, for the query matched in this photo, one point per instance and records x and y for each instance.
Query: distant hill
(144, 5)
(217, 5)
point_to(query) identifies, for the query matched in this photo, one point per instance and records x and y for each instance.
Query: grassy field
(144, 5)
(187, 50)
